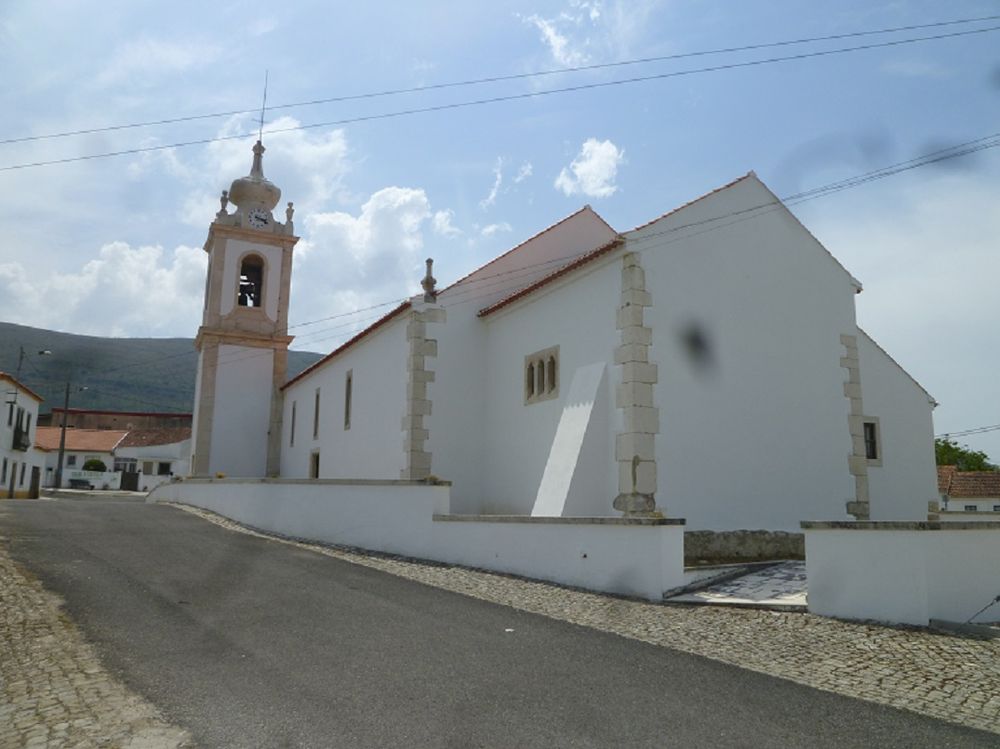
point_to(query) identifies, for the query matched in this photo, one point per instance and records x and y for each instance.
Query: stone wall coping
(898, 525)
(577, 520)
(318, 482)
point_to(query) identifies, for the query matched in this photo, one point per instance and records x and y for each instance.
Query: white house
(707, 365)
(20, 462)
(156, 455)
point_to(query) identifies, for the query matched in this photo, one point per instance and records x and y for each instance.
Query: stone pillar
(635, 444)
(857, 461)
(424, 311)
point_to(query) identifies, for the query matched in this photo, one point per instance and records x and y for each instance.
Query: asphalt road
(252, 643)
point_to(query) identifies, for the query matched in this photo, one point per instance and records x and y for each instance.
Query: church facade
(707, 365)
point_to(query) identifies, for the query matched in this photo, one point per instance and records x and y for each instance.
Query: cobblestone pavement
(53, 690)
(952, 678)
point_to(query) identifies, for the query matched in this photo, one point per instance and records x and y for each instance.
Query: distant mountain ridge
(120, 374)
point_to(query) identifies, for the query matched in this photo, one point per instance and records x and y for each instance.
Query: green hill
(121, 374)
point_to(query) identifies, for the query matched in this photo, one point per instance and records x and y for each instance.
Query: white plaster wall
(373, 447)
(457, 423)
(902, 576)
(579, 317)
(237, 249)
(458, 440)
(31, 457)
(240, 422)
(901, 487)
(758, 438)
(176, 453)
(536, 257)
(197, 408)
(398, 518)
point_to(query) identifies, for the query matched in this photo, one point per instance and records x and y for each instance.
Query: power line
(500, 79)
(968, 432)
(500, 99)
(515, 277)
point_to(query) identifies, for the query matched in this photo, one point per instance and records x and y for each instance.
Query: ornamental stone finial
(257, 169)
(429, 284)
(289, 212)
(223, 201)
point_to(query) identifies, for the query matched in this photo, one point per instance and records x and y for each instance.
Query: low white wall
(905, 573)
(615, 555)
(633, 557)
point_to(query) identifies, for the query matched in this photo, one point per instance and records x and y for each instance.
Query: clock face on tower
(258, 218)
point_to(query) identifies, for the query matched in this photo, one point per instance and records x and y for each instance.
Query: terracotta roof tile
(550, 277)
(160, 436)
(973, 484)
(945, 474)
(79, 440)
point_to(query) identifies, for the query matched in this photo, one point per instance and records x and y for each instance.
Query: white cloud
(593, 171)
(589, 30)
(490, 199)
(137, 61)
(524, 172)
(927, 257)
(134, 291)
(491, 229)
(379, 251)
(442, 224)
(560, 47)
(916, 69)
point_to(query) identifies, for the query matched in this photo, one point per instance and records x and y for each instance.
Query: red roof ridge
(546, 279)
(518, 246)
(672, 211)
(347, 344)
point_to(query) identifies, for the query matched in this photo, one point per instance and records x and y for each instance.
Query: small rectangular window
(291, 427)
(316, 416)
(971, 508)
(348, 384)
(21, 481)
(871, 441)
(71, 460)
(3, 477)
(163, 469)
(996, 508)
(147, 467)
(314, 465)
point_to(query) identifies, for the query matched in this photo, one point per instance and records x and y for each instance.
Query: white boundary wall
(639, 557)
(904, 573)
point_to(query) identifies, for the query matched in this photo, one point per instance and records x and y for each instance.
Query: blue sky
(111, 246)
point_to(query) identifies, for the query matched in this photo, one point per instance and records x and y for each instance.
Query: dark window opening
(291, 429)
(871, 441)
(348, 383)
(316, 416)
(314, 466)
(251, 281)
(71, 460)
(163, 469)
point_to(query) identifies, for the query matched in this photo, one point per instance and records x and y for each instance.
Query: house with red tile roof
(707, 365)
(968, 491)
(20, 463)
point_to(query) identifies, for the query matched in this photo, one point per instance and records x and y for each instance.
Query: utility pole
(62, 440)
(62, 437)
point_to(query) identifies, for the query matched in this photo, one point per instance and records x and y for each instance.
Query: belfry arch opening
(251, 290)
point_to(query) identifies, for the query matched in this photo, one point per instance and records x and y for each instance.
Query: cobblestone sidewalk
(53, 690)
(952, 678)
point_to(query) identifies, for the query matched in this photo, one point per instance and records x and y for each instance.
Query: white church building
(707, 365)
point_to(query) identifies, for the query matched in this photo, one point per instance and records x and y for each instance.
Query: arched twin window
(541, 375)
(251, 290)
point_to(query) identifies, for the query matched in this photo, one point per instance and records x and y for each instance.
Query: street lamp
(62, 434)
(21, 353)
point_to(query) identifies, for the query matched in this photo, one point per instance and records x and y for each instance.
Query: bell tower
(243, 342)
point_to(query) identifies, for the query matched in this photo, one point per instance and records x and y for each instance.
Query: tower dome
(255, 189)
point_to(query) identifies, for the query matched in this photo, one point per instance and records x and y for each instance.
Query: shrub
(95, 464)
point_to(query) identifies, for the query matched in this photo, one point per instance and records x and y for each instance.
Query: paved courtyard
(55, 691)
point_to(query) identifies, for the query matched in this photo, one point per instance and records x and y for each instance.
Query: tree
(948, 453)
(95, 464)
